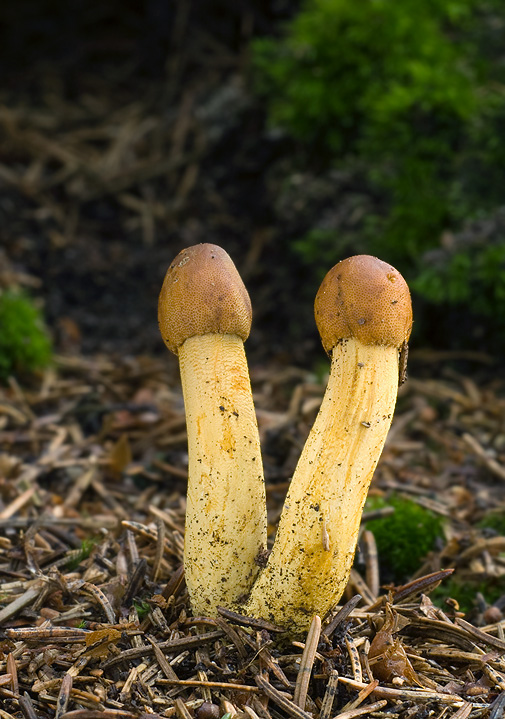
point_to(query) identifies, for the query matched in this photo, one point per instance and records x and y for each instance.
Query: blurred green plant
(142, 608)
(412, 93)
(24, 341)
(494, 520)
(76, 557)
(465, 592)
(475, 277)
(403, 538)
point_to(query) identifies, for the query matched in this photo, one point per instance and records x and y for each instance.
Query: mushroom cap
(363, 298)
(202, 293)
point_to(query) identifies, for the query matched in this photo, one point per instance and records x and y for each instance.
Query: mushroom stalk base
(226, 515)
(313, 552)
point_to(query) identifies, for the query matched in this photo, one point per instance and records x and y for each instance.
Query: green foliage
(465, 592)
(495, 521)
(350, 74)
(412, 92)
(475, 277)
(320, 247)
(142, 608)
(405, 537)
(24, 342)
(76, 557)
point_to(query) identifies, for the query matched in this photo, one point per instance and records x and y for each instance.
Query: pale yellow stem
(226, 515)
(314, 548)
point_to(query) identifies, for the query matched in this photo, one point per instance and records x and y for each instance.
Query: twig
(307, 662)
(495, 467)
(362, 710)
(342, 614)
(290, 707)
(329, 695)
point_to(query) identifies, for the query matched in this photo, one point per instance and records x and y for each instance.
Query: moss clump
(495, 521)
(24, 342)
(403, 538)
(465, 592)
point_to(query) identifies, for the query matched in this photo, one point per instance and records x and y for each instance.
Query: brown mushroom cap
(202, 293)
(364, 298)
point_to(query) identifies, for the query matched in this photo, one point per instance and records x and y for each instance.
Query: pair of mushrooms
(364, 316)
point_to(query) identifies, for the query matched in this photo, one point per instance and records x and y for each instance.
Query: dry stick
(342, 614)
(56, 635)
(495, 467)
(497, 707)
(329, 695)
(97, 522)
(278, 698)
(63, 696)
(165, 665)
(273, 666)
(357, 583)
(12, 670)
(174, 583)
(5, 715)
(406, 694)
(362, 695)
(371, 561)
(169, 646)
(362, 710)
(481, 636)
(248, 621)
(18, 503)
(20, 602)
(160, 546)
(98, 714)
(209, 684)
(228, 708)
(494, 676)
(181, 709)
(307, 662)
(26, 706)
(96, 592)
(463, 712)
(352, 650)
(233, 636)
(424, 584)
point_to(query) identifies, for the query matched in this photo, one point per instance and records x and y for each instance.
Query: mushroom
(364, 316)
(204, 316)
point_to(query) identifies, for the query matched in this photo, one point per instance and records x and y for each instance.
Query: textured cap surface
(202, 293)
(364, 298)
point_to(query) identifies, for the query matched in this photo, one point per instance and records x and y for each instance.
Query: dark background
(130, 130)
(80, 67)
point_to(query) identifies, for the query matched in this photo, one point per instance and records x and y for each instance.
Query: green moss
(495, 521)
(24, 342)
(142, 608)
(76, 557)
(403, 538)
(349, 73)
(410, 92)
(465, 592)
(475, 277)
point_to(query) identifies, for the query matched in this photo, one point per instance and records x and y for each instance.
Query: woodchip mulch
(94, 615)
